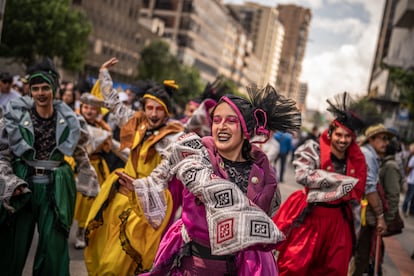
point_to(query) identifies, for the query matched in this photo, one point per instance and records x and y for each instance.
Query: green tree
(404, 80)
(367, 110)
(158, 64)
(191, 86)
(36, 28)
(317, 119)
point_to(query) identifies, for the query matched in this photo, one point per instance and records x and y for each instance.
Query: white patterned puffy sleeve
(87, 182)
(8, 180)
(122, 112)
(324, 186)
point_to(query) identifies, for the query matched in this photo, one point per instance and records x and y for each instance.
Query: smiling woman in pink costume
(229, 194)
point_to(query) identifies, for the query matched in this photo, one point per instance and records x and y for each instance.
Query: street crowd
(155, 193)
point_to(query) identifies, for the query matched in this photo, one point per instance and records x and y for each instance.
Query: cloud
(274, 3)
(348, 67)
(352, 28)
(343, 40)
(333, 72)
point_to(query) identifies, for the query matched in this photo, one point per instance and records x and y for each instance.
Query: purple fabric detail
(192, 265)
(253, 261)
(260, 193)
(176, 189)
(241, 118)
(249, 262)
(170, 244)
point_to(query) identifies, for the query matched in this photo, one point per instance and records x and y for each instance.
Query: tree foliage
(158, 64)
(34, 28)
(404, 80)
(367, 110)
(317, 119)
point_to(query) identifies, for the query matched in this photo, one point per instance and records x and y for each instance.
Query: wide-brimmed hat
(376, 129)
(89, 99)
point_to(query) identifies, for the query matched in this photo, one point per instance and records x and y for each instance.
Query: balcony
(404, 14)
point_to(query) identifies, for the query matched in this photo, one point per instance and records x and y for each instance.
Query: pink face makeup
(231, 120)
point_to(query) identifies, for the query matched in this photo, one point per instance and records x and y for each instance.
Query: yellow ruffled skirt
(120, 241)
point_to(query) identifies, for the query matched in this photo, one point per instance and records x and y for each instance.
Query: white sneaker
(80, 244)
(80, 239)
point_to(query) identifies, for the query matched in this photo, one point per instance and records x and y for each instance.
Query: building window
(170, 5)
(188, 6)
(145, 4)
(169, 21)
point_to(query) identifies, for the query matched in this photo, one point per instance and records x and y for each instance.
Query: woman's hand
(125, 180)
(109, 63)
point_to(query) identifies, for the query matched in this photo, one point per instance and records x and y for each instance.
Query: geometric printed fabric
(234, 222)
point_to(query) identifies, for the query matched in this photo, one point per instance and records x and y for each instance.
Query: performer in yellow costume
(120, 241)
(100, 141)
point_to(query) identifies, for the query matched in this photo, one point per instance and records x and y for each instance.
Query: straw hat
(376, 129)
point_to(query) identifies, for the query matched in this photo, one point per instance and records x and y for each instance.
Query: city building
(116, 31)
(240, 64)
(394, 50)
(301, 98)
(267, 34)
(206, 35)
(296, 21)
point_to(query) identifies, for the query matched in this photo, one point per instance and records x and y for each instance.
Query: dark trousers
(16, 234)
(282, 157)
(409, 199)
(362, 256)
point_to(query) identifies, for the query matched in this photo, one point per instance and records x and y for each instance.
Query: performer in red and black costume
(321, 222)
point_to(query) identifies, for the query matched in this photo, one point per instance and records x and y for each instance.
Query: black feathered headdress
(265, 111)
(340, 107)
(215, 90)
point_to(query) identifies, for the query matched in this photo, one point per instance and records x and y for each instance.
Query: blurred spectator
(271, 148)
(17, 84)
(285, 142)
(391, 179)
(132, 100)
(409, 171)
(190, 107)
(373, 147)
(26, 87)
(68, 95)
(7, 93)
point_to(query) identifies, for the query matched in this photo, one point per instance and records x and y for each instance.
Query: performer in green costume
(37, 187)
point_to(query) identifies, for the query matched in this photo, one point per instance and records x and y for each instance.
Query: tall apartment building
(296, 21)
(394, 48)
(116, 31)
(267, 33)
(205, 35)
(239, 64)
(301, 98)
(379, 84)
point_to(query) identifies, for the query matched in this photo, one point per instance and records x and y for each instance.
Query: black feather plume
(282, 113)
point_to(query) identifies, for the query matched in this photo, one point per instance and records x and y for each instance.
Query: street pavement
(398, 249)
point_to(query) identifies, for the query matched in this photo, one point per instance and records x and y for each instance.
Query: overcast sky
(340, 51)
